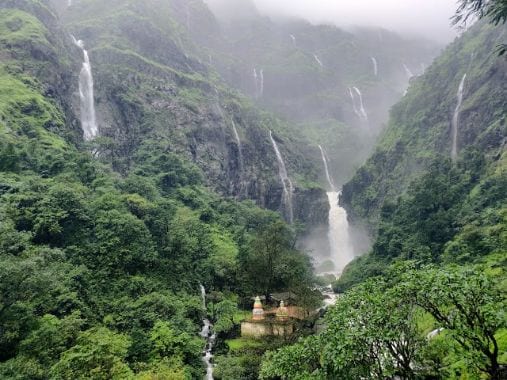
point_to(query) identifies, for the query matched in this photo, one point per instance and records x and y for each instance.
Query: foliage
(374, 331)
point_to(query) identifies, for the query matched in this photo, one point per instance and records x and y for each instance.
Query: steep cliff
(154, 97)
(434, 190)
(420, 125)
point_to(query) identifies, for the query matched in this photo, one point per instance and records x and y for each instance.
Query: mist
(427, 18)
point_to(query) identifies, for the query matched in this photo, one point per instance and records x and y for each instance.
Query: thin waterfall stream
(86, 95)
(455, 119)
(375, 66)
(208, 334)
(288, 188)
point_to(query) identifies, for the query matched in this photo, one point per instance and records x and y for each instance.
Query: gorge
(188, 165)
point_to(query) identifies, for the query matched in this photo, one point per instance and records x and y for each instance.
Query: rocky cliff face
(420, 126)
(154, 97)
(304, 72)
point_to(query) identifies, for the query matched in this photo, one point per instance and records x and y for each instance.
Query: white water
(407, 71)
(207, 333)
(364, 115)
(256, 82)
(434, 333)
(87, 104)
(330, 297)
(293, 38)
(288, 188)
(375, 66)
(342, 251)
(318, 60)
(261, 87)
(356, 111)
(240, 148)
(455, 119)
(326, 167)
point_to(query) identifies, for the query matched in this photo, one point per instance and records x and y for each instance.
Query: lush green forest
(106, 242)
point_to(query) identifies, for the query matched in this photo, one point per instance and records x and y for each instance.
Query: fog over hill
(428, 18)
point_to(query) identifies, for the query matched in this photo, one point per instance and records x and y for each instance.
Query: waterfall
(356, 111)
(375, 66)
(88, 118)
(240, 148)
(342, 251)
(69, 3)
(364, 115)
(207, 333)
(293, 38)
(261, 87)
(256, 82)
(326, 167)
(288, 188)
(455, 119)
(318, 60)
(408, 72)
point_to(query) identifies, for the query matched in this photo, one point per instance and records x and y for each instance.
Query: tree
(468, 305)
(271, 262)
(99, 354)
(371, 333)
(494, 10)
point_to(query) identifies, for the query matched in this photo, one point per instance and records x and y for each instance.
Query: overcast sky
(424, 17)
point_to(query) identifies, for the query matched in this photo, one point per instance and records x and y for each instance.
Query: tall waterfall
(256, 82)
(356, 111)
(455, 119)
(375, 66)
(317, 59)
(293, 38)
(408, 71)
(288, 188)
(326, 167)
(261, 87)
(209, 335)
(364, 115)
(87, 105)
(342, 251)
(240, 148)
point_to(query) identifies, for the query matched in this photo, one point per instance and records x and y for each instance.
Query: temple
(280, 321)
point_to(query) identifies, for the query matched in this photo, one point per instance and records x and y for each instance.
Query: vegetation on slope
(100, 273)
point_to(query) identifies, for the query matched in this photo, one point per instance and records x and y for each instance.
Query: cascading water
(87, 105)
(317, 59)
(256, 82)
(288, 188)
(455, 119)
(362, 110)
(408, 71)
(240, 148)
(208, 334)
(293, 38)
(375, 66)
(326, 167)
(261, 87)
(342, 251)
(356, 111)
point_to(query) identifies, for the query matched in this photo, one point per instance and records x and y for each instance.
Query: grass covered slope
(100, 272)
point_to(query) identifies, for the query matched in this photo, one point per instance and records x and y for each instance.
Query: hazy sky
(423, 17)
